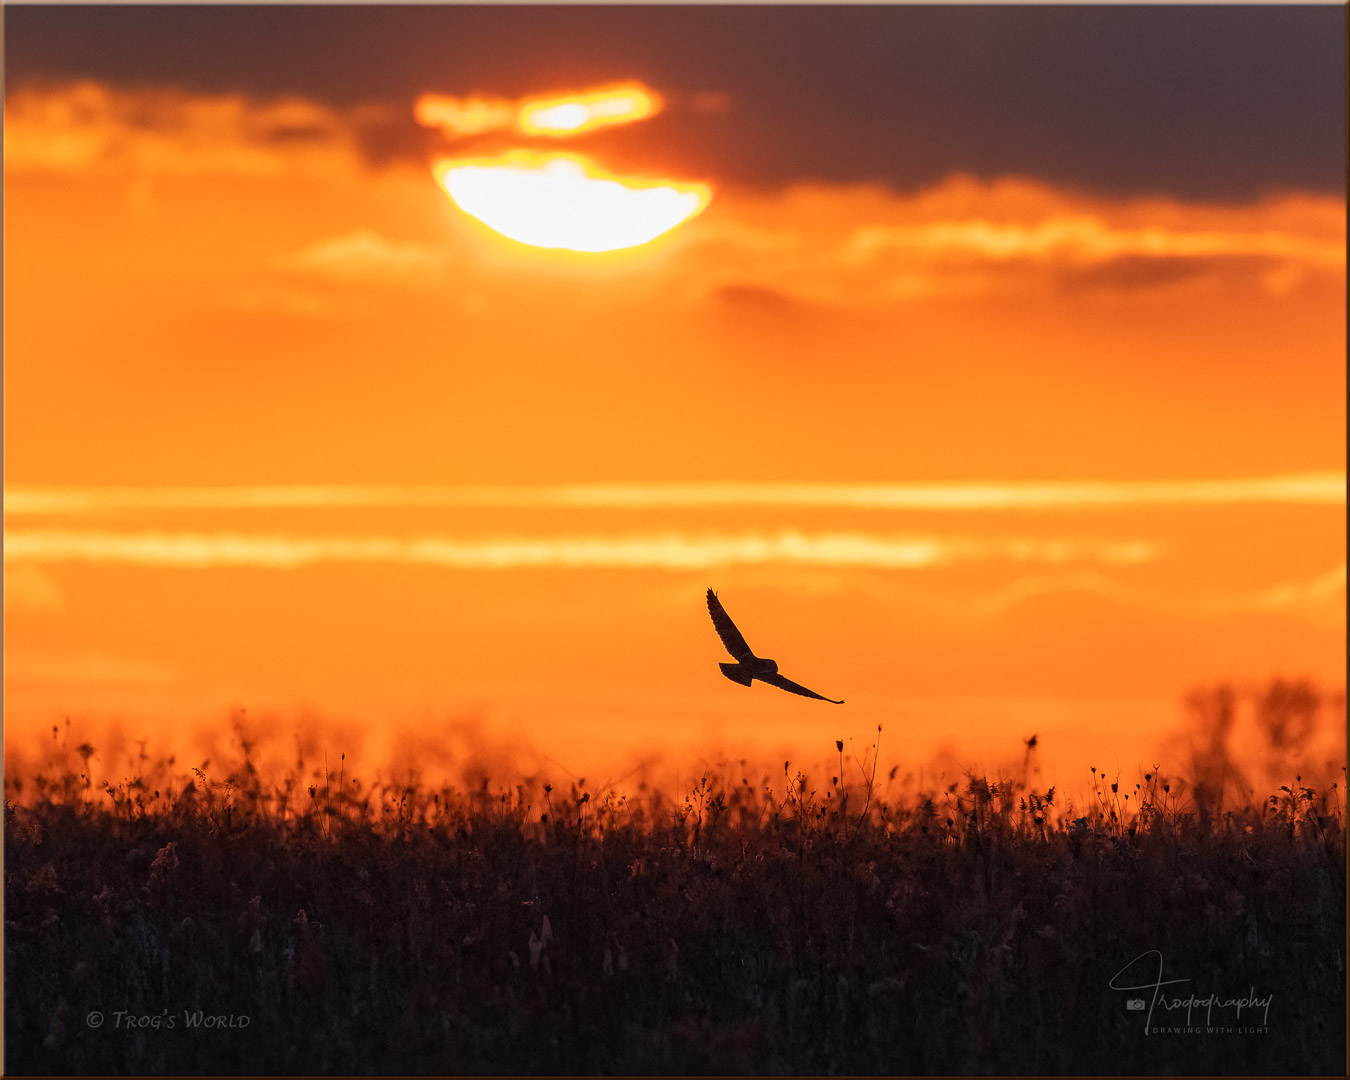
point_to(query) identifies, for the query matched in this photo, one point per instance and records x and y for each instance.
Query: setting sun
(566, 201)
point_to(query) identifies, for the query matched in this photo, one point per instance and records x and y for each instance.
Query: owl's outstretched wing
(794, 688)
(726, 629)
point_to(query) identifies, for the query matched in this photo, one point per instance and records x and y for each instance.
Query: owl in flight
(748, 666)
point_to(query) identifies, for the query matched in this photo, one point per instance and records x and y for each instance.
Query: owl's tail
(736, 673)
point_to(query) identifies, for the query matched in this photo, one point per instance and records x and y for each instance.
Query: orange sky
(192, 303)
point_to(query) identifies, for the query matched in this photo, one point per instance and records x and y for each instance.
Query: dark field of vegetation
(220, 924)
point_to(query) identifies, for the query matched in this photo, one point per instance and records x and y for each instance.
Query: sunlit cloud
(463, 116)
(560, 115)
(1320, 488)
(856, 245)
(672, 551)
(90, 128)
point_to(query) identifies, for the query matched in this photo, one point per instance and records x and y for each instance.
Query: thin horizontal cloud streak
(1317, 488)
(1325, 587)
(671, 551)
(24, 667)
(28, 589)
(1321, 598)
(1085, 239)
(365, 257)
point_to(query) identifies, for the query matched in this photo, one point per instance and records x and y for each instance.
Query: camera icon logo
(1135, 1005)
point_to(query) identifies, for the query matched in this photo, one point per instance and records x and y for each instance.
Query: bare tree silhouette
(1213, 770)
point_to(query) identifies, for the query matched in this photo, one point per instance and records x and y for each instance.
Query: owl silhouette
(748, 666)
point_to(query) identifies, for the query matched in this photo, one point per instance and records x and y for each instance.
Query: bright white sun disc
(564, 201)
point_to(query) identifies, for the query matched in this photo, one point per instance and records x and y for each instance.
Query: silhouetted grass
(763, 927)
